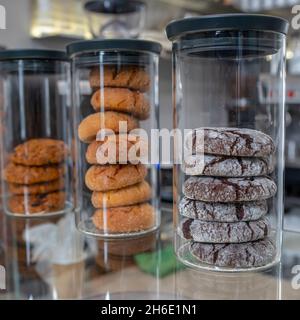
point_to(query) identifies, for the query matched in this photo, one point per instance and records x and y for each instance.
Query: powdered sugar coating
(242, 255)
(222, 212)
(222, 166)
(212, 189)
(240, 142)
(225, 232)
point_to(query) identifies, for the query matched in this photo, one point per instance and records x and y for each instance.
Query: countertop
(109, 271)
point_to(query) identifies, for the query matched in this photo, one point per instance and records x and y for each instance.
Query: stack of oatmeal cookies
(120, 193)
(35, 177)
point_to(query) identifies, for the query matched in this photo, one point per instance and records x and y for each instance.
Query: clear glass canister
(35, 132)
(229, 161)
(115, 107)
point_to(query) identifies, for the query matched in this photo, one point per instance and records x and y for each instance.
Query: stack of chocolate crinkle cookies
(225, 203)
(119, 191)
(35, 176)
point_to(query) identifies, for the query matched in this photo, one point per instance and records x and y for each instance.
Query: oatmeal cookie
(16, 173)
(37, 204)
(39, 152)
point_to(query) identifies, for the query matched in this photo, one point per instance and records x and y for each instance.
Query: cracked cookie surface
(137, 193)
(229, 142)
(134, 103)
(125, 219)
(90, 126)
(120, 148)
(237, 255)
(222, 212)
(222, 232)
(132, 77)
(229, 189)
(112, 177)
(222, 166)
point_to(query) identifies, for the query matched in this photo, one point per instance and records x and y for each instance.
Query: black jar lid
(114, 44)
(27, 54)
(235, 21)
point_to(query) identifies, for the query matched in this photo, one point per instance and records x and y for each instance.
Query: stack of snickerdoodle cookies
(35, 177)
(120, 191)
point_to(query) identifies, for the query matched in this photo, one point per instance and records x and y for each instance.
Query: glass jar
(35, 133)
(115, 108)
(115, 19)
(117, 254)
(44, 268)
(26, 255)
(228, 175)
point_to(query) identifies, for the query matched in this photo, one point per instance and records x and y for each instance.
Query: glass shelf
(115, 269)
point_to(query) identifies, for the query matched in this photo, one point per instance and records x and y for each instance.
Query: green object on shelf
(159, 263)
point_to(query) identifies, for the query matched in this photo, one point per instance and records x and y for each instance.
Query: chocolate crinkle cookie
(223, 212)
(212, 189)
(224, 166)
(225, 232)
(230, 142)
(237, 255)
